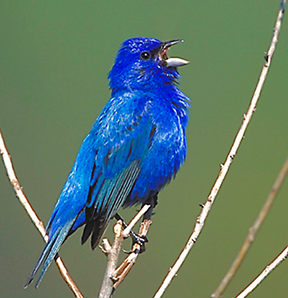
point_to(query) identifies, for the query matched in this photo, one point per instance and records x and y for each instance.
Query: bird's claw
(139, 239)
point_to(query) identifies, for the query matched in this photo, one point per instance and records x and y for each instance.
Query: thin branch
(281, 257)
(132, 223)
(67, 278)
(112, 255)
(225, 167)
(121, 272)
(252, 231)
(32, 214)
(111, 279)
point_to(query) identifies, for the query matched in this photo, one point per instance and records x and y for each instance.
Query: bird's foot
(137, 239)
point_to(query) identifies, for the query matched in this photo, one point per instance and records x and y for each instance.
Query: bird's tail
(49, 252)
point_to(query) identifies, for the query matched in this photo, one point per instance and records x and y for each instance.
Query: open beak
(171, 62)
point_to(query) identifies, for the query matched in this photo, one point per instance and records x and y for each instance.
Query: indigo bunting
(134, 148)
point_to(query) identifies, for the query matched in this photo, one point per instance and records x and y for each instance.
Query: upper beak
(171, 62)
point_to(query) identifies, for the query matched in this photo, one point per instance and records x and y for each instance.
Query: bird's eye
(145, 55)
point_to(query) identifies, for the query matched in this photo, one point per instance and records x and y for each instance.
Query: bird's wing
(126, 139)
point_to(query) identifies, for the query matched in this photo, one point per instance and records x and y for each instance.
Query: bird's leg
(152, 201)
(139, 239)
(120, 273)
(135, 237)
(119, 217)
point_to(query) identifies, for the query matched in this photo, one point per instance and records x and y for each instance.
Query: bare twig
(112, 255)
(32, 214)
(69, 281)
(111, 278)
(136, 218)
(225, 167)
(253, 230)
(121, 272)
(281, 257)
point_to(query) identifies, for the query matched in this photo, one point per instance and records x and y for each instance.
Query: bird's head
(142, 63)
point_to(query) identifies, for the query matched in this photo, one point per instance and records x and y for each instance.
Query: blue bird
(135, 147)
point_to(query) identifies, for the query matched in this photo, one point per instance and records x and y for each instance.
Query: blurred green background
(55, 57)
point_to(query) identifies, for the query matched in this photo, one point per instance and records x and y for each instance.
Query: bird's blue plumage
(134, 148)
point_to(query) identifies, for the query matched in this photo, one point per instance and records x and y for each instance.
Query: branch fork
(115, 275)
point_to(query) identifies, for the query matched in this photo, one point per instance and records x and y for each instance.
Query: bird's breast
(166, 153)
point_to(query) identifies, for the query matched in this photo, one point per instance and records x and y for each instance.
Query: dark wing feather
(117, 166)
(110, 198)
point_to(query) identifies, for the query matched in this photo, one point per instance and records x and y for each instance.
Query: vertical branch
(225, 167)
(113, 277)
(281, 257)
(32, 214)
(121, 272)
(253, 230)
(112, 256)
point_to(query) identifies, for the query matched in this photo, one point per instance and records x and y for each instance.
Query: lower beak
(171, 62)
